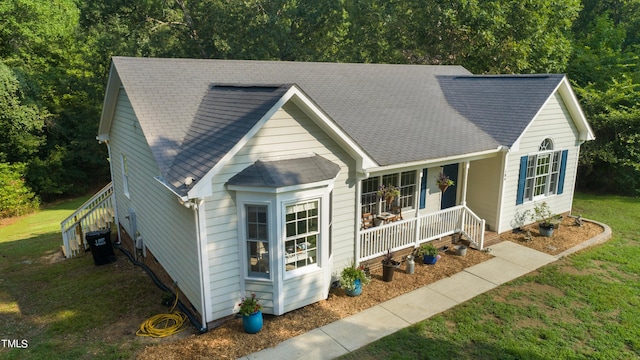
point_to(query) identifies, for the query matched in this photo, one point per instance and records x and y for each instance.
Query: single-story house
(256, 176)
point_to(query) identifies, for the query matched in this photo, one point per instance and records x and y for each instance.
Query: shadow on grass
(47, 301)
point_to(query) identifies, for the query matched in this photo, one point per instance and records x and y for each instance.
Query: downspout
(194, 204)
(358, 218)
(115, 206)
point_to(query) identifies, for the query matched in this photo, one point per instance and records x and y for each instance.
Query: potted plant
(251, 313)
(388, 193)
(444, 181)
(546, 220)
(389, 266)
(429, 253)
(353, 278)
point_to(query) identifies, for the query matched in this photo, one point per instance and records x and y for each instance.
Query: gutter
(437, 162)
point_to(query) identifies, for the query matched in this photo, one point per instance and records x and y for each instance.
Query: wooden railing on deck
(407, 233)
(95, 214)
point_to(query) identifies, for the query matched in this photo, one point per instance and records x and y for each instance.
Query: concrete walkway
(343, 336)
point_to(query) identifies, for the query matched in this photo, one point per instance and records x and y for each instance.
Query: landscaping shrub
(16, 198)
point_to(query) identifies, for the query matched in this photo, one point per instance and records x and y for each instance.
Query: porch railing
(413, 232)
(95, 214)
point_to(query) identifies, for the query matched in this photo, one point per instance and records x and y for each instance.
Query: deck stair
(97, 213)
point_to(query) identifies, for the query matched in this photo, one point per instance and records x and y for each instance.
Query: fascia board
(108, 107)
(435, 162)
(573, 105)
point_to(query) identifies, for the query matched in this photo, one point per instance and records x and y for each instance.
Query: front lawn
(584, 306)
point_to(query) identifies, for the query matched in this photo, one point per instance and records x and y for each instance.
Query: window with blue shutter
(522, 179)
(563, 168)
(541, 174)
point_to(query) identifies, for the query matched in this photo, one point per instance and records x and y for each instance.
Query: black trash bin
(101, 247)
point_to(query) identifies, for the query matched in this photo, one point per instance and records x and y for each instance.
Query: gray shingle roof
(225, 115)
(395, 113)
(501, 105)
(286, 172)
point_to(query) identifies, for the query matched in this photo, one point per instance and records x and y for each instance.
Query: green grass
(67, 309)
(586, 306)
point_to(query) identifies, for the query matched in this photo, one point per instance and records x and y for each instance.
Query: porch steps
(97, 213)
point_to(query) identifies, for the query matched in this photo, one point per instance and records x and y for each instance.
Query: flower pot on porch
(443, 188)
(388, 270)
(545, 230)
(252, 323)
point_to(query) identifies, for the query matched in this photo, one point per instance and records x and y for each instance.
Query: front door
(449, 196)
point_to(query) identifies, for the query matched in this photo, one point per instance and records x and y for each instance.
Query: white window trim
(321, 233)
(532, 161)
(255, 199)
(125, 175)
(277, 232)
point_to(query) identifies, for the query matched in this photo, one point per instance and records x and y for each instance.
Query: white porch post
(464, 183)
(417, 206)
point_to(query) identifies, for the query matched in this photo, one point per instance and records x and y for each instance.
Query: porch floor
(341, 337)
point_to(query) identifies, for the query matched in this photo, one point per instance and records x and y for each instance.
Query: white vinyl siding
(289, 132)
(564, 135)
(166, 227)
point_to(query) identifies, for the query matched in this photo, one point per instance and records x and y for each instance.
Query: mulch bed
(230, 342)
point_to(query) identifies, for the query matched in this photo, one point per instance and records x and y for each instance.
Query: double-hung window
(302, 231)
(542, 173)
(257, 238)
(405, 182)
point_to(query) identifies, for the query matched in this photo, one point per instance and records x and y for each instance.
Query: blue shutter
(423, 189)
(522, 180)
(563, 168)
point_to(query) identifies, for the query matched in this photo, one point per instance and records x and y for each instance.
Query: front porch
(410, 233)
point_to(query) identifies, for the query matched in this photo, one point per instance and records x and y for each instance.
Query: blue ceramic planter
(252, 323)
(428, 259)
(357, 290)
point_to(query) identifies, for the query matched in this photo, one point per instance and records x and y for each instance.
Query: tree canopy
(55, 57)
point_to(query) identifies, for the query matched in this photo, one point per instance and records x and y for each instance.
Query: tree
(605, 70)
(21, 121)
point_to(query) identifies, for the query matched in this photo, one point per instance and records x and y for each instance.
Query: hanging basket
(443, 188)
(389, 200)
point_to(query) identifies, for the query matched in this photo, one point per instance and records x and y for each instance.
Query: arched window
(547, 144)
(542, 173)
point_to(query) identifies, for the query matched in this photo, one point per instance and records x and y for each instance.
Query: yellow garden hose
(162, 325)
